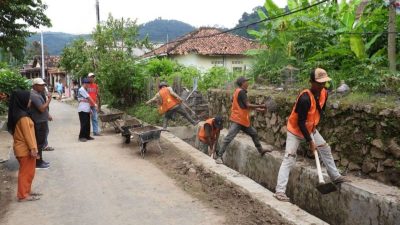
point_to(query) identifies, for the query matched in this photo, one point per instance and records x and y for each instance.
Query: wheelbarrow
(144, 135)
(111, 118)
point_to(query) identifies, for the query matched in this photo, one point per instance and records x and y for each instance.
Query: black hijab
(18, 108)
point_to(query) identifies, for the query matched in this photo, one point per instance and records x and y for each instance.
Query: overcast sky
(79, 16)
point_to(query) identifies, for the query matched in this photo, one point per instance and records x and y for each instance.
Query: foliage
(11, 80)
(162, 68)
(328, 36)
(15, 19)
(3, 108)
(158, 29)
(146, 113)
(110, 57)
(214, 78)
(248, 18)
(76, 58)
(35, 49)
(121, 77)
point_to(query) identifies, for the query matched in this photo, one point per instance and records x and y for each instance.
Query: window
(237, 62)
(237, 69)
(217, 62)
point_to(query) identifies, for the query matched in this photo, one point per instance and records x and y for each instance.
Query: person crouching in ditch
(208, 135)
(302, 124)
(21, 126)
(169, 104)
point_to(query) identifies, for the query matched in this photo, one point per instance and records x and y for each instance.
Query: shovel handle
(320, 177)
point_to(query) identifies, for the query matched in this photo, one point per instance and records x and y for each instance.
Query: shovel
(324, 188)
(191, 110)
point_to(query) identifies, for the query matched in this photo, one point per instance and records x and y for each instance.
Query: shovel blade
(326, 188)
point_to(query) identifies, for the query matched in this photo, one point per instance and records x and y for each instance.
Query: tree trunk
(392, 37)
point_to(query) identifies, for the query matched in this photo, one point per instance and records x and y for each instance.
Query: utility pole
(42, 44)
(392, 37)
(97, 12)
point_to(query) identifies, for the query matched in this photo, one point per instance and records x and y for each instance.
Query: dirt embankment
(238, 208)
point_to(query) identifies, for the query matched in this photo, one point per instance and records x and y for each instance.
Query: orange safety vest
(239, 115)
(313, 115)
(168, 101)
(202, 132)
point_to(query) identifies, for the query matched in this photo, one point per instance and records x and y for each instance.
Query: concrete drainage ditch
(363, 201)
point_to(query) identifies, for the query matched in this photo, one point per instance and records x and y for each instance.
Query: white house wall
(204, 63)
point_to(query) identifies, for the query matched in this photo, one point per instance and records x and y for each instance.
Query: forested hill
(56, 41)
(158, 29)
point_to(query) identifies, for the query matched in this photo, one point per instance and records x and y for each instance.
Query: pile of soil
(237, 207)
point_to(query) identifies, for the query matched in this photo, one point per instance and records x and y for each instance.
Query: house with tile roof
(208, 47)
(52, 70)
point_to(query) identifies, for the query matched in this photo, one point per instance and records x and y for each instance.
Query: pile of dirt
(238, 207)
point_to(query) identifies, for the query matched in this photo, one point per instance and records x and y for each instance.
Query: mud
(237, 207)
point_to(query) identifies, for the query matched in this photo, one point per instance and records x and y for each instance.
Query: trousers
(289, 160)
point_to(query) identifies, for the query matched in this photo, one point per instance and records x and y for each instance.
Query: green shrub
(3, 108)
(11, 80)
(162, 68)
(215, 77)
(148, 114)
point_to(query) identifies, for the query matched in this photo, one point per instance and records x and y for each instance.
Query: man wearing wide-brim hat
(240, 118)
(301, 125)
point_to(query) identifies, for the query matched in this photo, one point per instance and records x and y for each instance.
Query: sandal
(48, 148)
(28, 199)
(281, 197)
(35, 194)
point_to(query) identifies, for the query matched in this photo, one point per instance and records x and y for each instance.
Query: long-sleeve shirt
(157, 98)
(302, 107)
(24, 137)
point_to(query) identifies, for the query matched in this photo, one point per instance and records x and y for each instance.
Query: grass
(148, 114)
(378, 101)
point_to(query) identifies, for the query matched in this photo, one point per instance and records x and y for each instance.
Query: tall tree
(35, 49)
(16, 16)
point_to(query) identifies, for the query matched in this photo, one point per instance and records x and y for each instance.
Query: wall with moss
(364, 134)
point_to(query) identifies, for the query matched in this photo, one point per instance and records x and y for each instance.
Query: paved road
(102, 182)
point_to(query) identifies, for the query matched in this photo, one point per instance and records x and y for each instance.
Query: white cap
(38, 81)
(91, 75)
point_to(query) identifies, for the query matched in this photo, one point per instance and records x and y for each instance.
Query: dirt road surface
(101, 182)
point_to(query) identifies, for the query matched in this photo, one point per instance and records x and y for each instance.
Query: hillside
(55, 41)
(158, 29)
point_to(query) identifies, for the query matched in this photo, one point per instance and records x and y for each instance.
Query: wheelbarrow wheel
(142, 149)
(127, 139)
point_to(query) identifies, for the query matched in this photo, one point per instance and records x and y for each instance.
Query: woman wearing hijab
(21, 126)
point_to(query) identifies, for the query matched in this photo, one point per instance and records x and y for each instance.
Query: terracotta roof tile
(206, 41)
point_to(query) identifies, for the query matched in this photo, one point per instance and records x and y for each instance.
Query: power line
(254, 23)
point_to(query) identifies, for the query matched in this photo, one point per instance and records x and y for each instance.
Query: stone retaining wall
(365, 138)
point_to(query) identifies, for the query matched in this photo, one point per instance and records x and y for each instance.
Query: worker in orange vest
(301, 125)
(169, 104)
(240, 118)
(208, 135)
